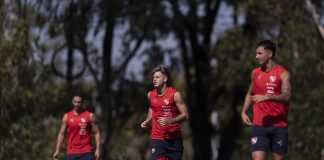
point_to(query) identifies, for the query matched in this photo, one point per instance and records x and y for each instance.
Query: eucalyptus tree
(299, 49)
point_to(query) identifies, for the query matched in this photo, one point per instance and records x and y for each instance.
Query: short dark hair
(78, 95)
(163, 69)
(268, 45)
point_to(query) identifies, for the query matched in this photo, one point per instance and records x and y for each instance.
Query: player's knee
(258, 156)
(278, 156)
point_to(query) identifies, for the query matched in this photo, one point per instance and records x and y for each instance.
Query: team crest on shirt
(259, 76)
(83, 120)
(272, 78)
(254, 140)
(166, 101)
(71, 120)
(153, 150)
(154, 101)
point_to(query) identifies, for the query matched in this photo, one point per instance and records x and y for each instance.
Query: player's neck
(78, 111)
(269, 66)
(161, 90)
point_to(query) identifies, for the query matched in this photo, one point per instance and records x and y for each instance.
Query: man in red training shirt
(269, 93)
(79, 123)
(167, 111)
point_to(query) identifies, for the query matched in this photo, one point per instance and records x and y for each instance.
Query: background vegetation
(106, 50)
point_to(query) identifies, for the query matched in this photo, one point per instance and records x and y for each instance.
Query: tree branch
(123, 66)
(55, 70)
(212, 8)
(311, 9)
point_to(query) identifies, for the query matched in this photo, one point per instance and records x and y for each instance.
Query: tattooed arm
(183, 116)
(285, 89)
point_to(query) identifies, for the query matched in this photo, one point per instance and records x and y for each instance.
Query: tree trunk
(316, 17)
(199, 121)
(227, 144)
(105, 96)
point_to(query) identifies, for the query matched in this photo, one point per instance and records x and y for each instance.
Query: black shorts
(167, 149)
(81, 156)
(274, 139)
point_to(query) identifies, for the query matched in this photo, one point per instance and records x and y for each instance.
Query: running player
(167, 111)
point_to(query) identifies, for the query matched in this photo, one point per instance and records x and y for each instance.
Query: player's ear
(270, 54)
(165, 79)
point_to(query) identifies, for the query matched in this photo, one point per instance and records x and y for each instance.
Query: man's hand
(164, 121)
(245, 118)
(145, 124)
(97, 154)
(55, 155)
(259, 98)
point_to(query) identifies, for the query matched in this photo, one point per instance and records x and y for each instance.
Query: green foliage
(28, 107)
(32, 100)
(300, 50)
(130, 140)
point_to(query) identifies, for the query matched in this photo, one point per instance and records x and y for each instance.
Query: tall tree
(299, 42)
(28, 98)
(194, 34)
(215, 71)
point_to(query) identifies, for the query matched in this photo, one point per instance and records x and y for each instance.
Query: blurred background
(106, 49)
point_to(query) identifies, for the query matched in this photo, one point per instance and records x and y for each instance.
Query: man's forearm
(284, 97)
(97, 138)
(59, 142)
(180, 118)
(149, 116)
(247, 103)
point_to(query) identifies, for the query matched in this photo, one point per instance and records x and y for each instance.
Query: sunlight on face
(77, 101)
(159, 79)
(262, 55)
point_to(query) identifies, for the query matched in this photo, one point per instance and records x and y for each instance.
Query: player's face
(262, 55)
(77, 101)
(159, 79)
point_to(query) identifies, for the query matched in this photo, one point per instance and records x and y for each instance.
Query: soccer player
(269, 93)
(79, 123)
(167, 111)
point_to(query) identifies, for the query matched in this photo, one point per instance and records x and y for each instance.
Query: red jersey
(164, 106)
(79, 133)
(269, 113)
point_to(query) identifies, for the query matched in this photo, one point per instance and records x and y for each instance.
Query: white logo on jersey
(71, 120)
(83, 120)
(166, 101)
(83, 126)
(154, 101)
(259, 76)
(254, 140)
(272, 78)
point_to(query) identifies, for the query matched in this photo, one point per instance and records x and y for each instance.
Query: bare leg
(277, 156)
(258, 155)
